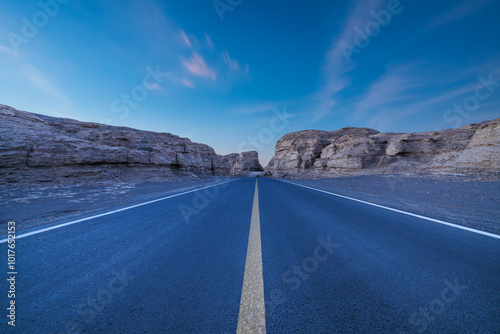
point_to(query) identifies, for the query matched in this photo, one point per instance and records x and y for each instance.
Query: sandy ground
(462, 200)
(44, 203)
(458, 199)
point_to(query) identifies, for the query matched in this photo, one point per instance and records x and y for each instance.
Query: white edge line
(109, 213)
(492, 235)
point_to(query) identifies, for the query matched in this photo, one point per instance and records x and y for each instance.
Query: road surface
(240, 257)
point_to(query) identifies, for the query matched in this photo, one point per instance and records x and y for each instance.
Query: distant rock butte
(42, 148)
(244, 164)
(473, 149)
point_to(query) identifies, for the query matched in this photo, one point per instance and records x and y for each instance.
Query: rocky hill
(243, 164)
(42, 148)
(473, 149)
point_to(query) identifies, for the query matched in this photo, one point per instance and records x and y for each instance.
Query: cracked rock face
(472, 149)
(42, 148)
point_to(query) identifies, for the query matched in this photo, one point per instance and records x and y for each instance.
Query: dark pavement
(330, 265)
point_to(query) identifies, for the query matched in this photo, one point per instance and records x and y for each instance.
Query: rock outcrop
(472, 149)
(243, 164)
(42, 148)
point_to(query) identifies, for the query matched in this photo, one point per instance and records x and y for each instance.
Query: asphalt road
(328, 265)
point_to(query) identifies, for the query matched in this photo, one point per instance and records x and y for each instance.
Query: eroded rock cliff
(472, 149)
(41, 148)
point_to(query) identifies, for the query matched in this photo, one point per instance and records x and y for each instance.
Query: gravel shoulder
(461, 200)
(44, 203)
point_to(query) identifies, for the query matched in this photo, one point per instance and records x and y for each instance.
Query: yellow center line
(252, 316)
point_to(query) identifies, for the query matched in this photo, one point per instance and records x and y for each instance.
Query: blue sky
(239, 74)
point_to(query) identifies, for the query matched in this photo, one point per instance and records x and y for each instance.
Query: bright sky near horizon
(239, 74)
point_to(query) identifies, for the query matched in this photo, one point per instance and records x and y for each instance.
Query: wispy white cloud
(9, 52)
(336, 65)
(396, 85)
(209, 41)
(187, 83)
(39, 80)
(150, 22)
(449, 95)
(154, 86)
(203, 61)
(411, 89)
(234, 65)
(197, 66)
(459, 12)
(33, 77)
(254, 108)
(185, 39)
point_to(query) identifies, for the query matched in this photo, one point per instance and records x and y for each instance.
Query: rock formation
(243, 164)
(472, 149)
(42, 148)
